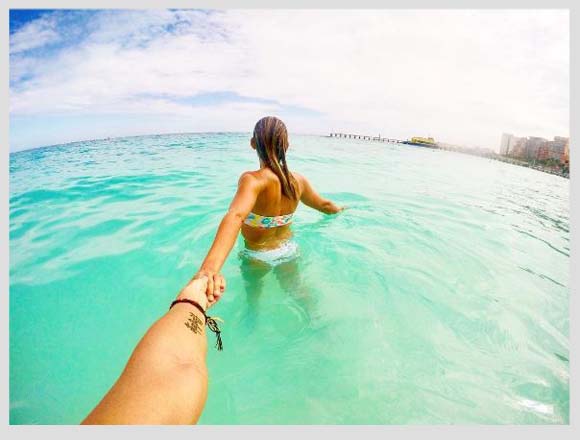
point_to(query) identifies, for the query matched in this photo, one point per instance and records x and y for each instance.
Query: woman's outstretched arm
(165, 379)
(311, 198)
(228, 230)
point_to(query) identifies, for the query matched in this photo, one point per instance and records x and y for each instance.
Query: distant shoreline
(493, 156)
(511, 161)
(456, 149)
(525, 164)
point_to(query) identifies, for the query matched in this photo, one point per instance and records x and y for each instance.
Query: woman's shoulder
(261, 174)
(254, 178)
(299, 177)
(247, 177)
(301, 181)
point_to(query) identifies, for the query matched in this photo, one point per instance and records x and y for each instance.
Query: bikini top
(262, 221)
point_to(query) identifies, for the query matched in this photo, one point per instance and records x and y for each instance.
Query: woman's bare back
(270, 202)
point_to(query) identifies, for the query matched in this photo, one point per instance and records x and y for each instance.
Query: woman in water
(262, 208)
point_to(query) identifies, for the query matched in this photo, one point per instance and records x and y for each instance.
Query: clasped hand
(216, 284)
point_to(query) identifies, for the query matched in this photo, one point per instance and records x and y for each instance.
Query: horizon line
(143, 135)
(197, 132)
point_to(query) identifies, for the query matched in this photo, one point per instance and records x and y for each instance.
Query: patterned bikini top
(261, 221)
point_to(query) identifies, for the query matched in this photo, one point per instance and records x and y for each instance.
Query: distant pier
(366, 138)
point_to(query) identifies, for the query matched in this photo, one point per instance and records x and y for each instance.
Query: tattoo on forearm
(194, 324)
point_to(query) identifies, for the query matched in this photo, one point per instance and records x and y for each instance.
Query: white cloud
(460, 76)
(33, 35)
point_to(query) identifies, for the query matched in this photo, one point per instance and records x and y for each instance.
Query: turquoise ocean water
(439, 296)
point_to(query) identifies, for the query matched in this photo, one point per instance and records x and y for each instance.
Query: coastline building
(533, 145)
(535, 148)
(559, 147)
(507, 143)
(504, 144)
(553, 150)
(544, 152)
(519, 147)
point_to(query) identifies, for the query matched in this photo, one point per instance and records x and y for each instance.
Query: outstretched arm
(311, 198)
(165, 380)
(228, 230)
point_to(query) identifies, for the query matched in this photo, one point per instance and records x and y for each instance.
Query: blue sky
(89, 74)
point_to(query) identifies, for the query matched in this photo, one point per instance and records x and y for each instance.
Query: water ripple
(439, 296)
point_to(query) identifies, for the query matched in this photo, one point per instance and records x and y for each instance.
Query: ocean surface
(439, 296)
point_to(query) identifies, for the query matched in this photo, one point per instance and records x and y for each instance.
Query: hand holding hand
(195, 290)
(216, 284)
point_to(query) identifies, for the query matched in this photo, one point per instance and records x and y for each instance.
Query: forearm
(224, 241)
(329, 207)
(165, 380)
(178, 338)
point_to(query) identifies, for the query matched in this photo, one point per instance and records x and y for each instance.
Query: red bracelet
(211, 322)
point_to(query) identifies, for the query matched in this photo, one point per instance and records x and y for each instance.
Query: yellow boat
(421, 141)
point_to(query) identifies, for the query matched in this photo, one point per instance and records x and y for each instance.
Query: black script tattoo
(194, 324)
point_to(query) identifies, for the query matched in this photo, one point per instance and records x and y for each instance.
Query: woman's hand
(216, 284)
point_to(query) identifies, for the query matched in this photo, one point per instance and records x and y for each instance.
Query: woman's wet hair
(271, 140)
